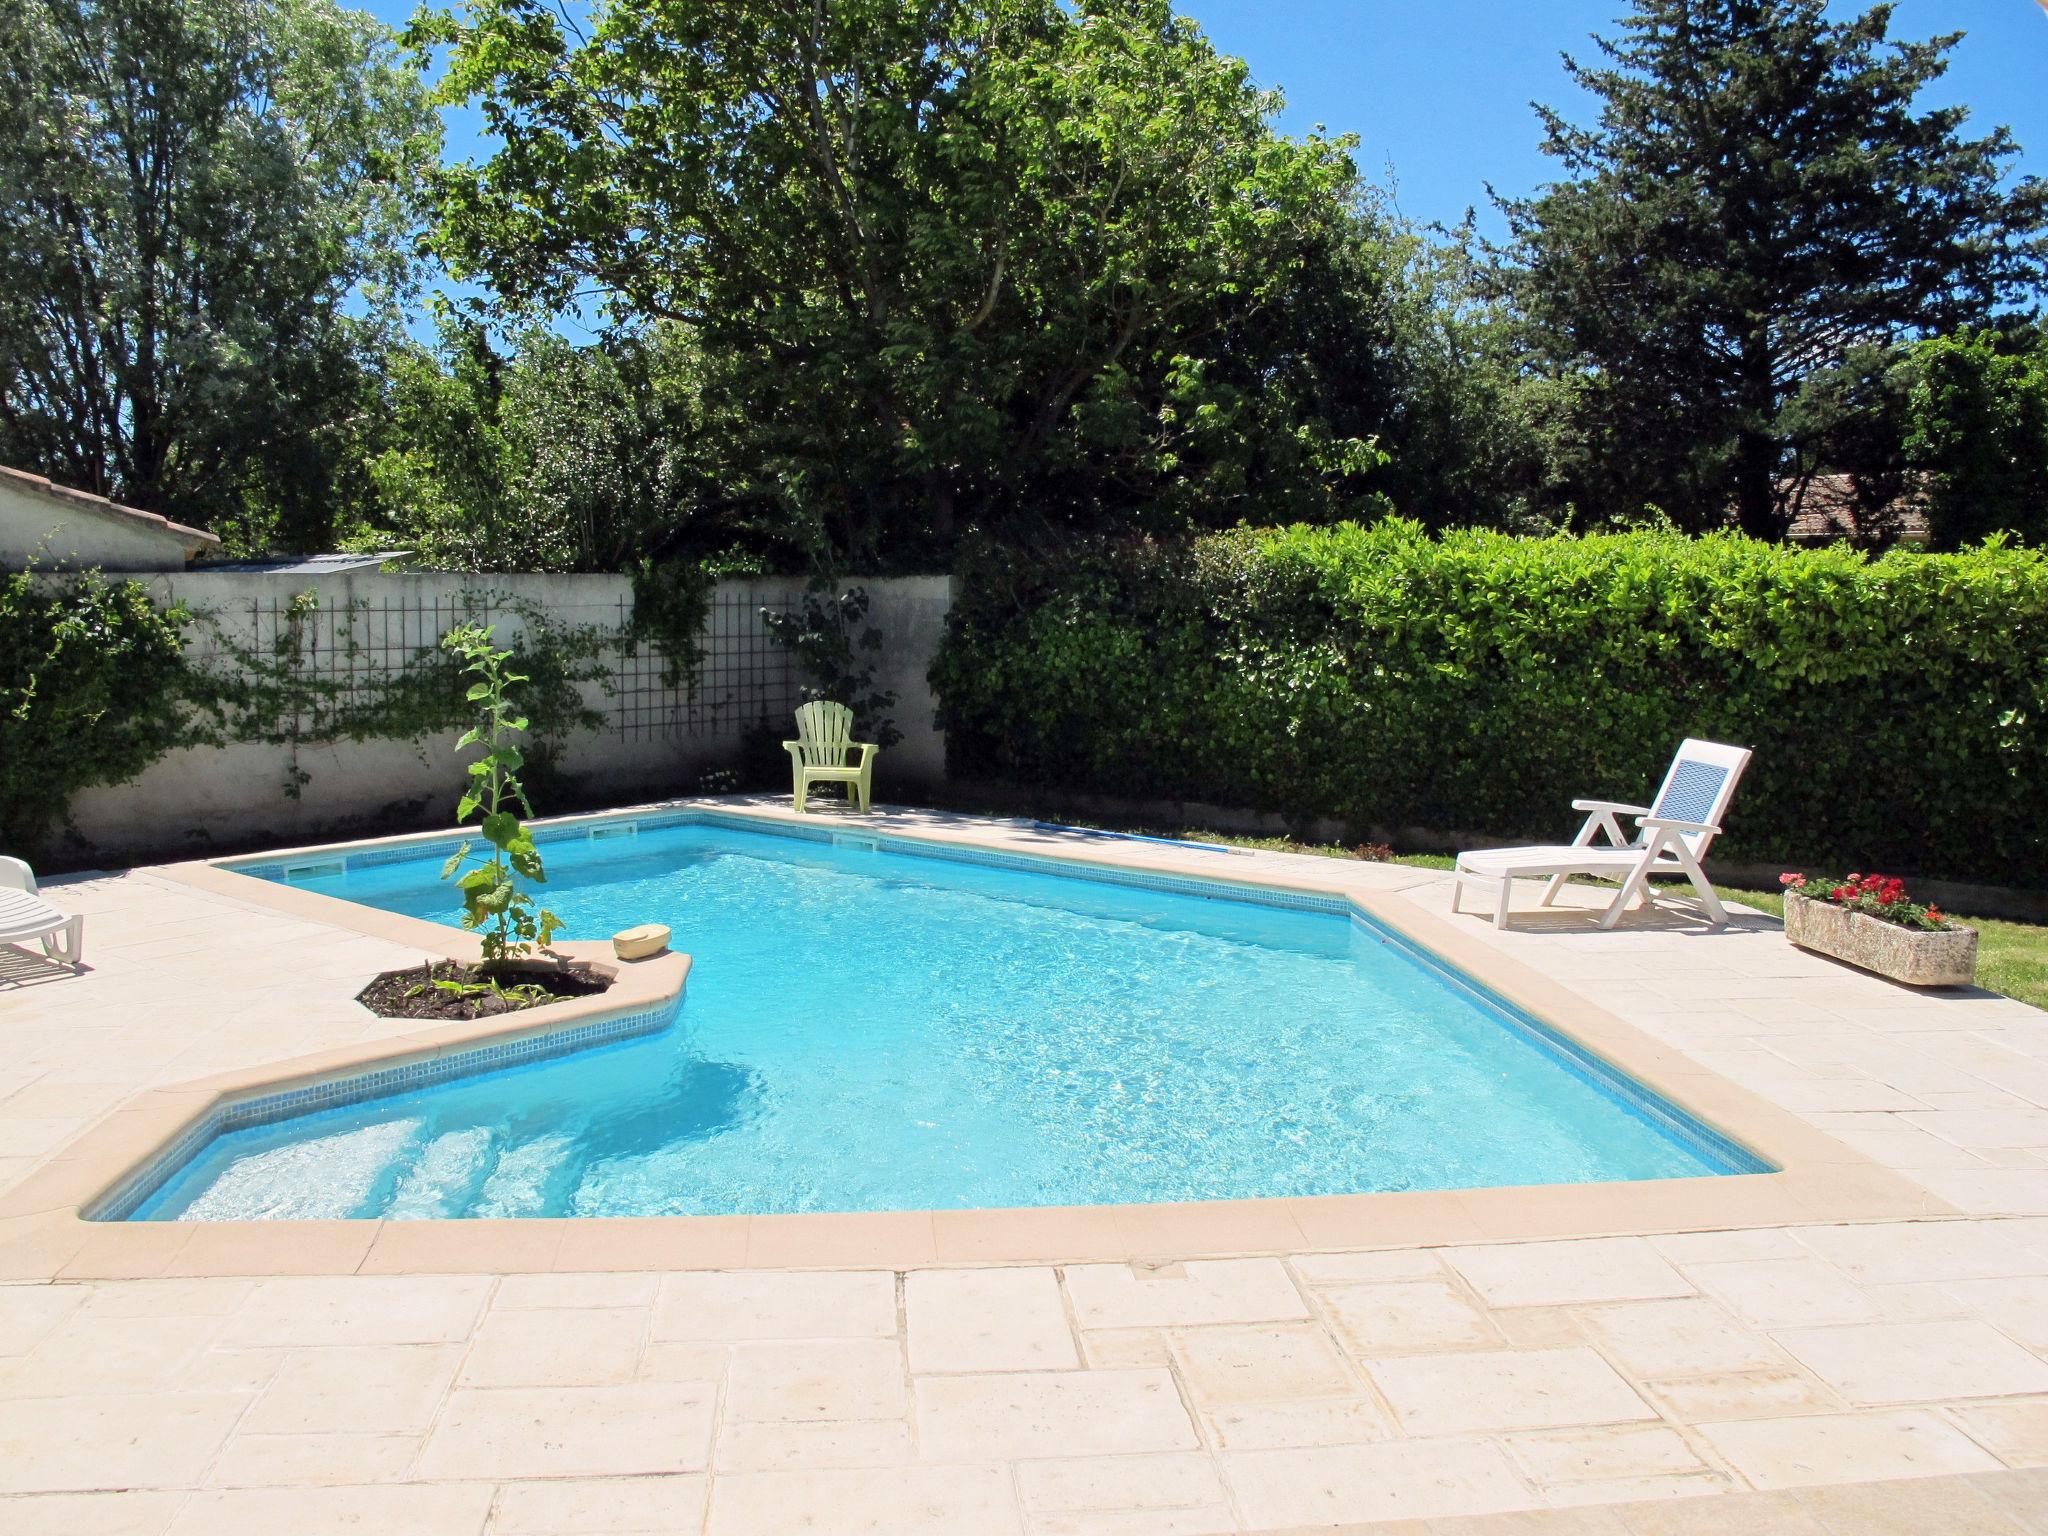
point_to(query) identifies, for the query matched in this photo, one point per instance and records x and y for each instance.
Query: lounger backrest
(1699, 786)
(824, 733)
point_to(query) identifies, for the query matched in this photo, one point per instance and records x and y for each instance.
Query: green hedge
(1478, 682)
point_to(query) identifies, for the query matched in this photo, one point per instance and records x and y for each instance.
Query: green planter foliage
(1477, 682)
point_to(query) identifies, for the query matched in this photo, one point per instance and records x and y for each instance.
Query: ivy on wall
(90, 674)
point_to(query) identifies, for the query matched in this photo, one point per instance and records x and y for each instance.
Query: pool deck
(1859, 1344)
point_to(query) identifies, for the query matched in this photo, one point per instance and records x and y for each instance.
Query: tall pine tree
(1758, 196)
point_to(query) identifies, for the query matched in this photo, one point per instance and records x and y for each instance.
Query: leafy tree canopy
(1010, 263)
(205, 209)
(1759, 196)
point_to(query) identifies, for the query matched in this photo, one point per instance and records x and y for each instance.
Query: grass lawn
(2012, 958)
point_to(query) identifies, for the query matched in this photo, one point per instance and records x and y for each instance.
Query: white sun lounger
(1674, 835)
(25, 915)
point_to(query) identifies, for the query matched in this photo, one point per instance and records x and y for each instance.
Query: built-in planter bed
(1918, 957)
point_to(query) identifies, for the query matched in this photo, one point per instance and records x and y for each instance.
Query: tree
(1977, 429)
(205, 206)
(1758, 197)
(545, 456)
(1013, 263)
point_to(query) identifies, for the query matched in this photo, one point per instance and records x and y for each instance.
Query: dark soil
(411, 993)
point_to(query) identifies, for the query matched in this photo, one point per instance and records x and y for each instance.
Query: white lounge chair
(1674, 835)
(25, 915)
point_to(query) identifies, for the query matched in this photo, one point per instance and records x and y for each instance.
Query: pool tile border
(50, 1215)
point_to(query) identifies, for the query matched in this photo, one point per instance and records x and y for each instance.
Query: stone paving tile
(358, 1309)
(1405, 1480)
(90, 1514)
(1688, 1336)
(513, 1432)
(356, 1389)
(987, 1320)
(1916, 1362)
(1557, 1273)
(1412, 1315)
(416, 1509)
(893, 1501)
(1295, 1425)
(1260, 1363)
(771, 1445)
(1504, 1389)
(816, 1379)
(131, 1440)
(572, 1347)
(294, 1461)
(613, 1506)
(718, 1304)
(1050, 1413)
(1845, 1448)
(2016, 1432)
(1952, 1508)
(1183, 1295)
(1752, 1394)
(1775, 1293)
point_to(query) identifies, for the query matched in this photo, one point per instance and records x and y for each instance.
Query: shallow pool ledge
(123, 1155)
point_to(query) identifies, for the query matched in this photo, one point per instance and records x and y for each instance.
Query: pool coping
(1817, 1177)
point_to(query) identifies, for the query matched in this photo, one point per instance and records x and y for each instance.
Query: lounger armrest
(1667, 824)
(867, 750)
(1614, 806)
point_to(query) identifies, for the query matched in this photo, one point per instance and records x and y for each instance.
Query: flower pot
(1919, 957)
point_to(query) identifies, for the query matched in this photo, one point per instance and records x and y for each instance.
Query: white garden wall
(656, 740)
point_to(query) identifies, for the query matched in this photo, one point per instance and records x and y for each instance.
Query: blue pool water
(873, 1029)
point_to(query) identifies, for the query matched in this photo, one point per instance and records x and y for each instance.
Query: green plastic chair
(824, 742)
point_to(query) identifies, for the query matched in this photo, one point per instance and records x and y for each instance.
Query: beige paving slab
(314, 1460)
(90, 1514)
(1684, 1336)
(29, 1313)
(2015, 1431)
(1916, 1362)
(610, 1506)
(358, 1309)
(891, 1501)
(1557, 1273)
(356, 1389)
(1260, 1363)
(776, 1305)
(987, 1320)
(1499, 1389)
(1777, 1293)
(1753, 1394)
(539, 1347)
(1951, 1506)
(1408, 1480)
(2017, 1307)
(1411, 1315)
(1187, 1295)
(1297, 1424)
(445, 1509)
(816, 1379)
(129, 1440)
(1021, 1415)
(1112, 1483)
(1845, 1448)
(1606, 1453)
(782, 1445)
(502, 1433)
(1935, 1250)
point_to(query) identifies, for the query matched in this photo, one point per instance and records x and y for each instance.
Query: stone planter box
(1944, 957)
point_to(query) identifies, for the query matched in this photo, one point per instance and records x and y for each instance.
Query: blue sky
(1438, 91)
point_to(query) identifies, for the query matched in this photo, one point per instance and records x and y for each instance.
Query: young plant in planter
(1870, 921)
(494, 902)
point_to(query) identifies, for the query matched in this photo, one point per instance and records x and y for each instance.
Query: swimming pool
(874, 1024)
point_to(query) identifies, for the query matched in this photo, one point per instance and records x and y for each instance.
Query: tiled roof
(1826, 507)
(195, 540)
